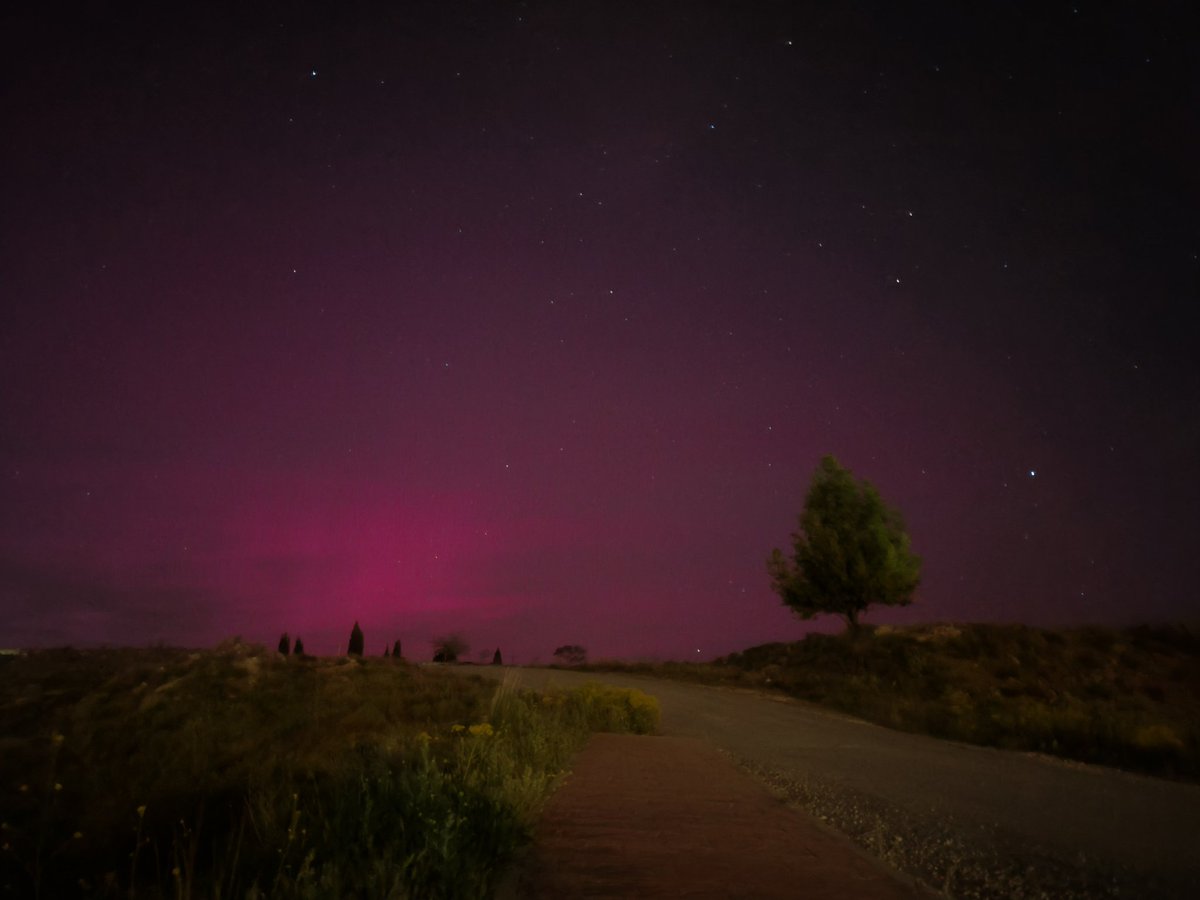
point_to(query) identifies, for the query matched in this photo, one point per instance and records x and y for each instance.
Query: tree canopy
(449, 648)
(851, 552)
(570, 655)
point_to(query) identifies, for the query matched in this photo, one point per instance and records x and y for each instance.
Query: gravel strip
(956, 860)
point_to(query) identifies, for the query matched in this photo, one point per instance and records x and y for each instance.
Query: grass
(241, 773)
(1122, 697)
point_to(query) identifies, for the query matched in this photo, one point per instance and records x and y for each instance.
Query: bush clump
(606, 708)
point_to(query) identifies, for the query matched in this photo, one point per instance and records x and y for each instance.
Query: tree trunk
(852, 623)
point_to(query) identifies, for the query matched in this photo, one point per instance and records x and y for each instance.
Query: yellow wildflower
(481, 730)
(457, 729)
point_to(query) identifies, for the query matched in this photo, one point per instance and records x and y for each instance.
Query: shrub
(570, 655)
(1156, 738)
(606, 708)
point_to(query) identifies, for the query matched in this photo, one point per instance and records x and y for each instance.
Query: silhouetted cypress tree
(356, 642)
(298, 650)
(387, 651)
(283, 643)
(396, 650)
(497, 660)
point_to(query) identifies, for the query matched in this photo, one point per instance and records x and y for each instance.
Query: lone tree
(396, 650)
(298, 650)
(356, 642)
(449, 648)
(570, 655)
(497, 659)
(851, 551)
(283, 643)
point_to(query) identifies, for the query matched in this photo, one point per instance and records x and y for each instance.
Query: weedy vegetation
(1128, 698)
(240, 773)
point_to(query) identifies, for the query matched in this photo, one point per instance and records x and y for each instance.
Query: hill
(1121, 697)
(242, 772)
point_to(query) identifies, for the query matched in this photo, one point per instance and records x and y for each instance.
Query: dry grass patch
(243, 773)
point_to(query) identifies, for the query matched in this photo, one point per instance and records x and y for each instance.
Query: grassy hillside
(242, 773)
(1127, 698)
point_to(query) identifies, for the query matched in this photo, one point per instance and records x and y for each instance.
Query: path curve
(960, 817)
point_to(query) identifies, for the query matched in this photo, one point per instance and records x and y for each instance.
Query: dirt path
(672, 817)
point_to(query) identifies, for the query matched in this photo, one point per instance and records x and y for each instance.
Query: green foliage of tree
(283, 643)
(449, 648)
(851, 552)
(356, 641)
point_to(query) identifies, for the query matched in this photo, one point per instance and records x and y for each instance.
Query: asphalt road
(1074, 830)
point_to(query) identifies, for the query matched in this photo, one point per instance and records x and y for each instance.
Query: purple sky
(534, 323)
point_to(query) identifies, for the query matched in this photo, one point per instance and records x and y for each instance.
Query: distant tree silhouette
(356, 642)
(570, 655)
(851, 551)
(283, 643)
(387, 651)
(396, 650)
(298, 650)
(449, 648)
(497, 659)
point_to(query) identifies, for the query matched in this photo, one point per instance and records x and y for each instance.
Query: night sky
(533, 321)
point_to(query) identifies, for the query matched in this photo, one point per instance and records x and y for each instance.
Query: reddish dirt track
(672, 817)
